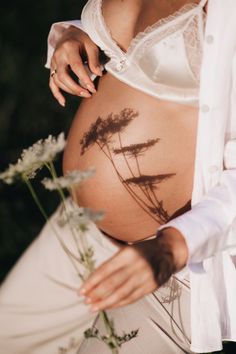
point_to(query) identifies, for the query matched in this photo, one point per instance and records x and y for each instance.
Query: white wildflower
(9, 175)
(69, 180)
(43, 151)
(33, 158)
(79, 217)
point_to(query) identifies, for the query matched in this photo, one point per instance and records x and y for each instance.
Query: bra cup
(166, 63)
(162, 61)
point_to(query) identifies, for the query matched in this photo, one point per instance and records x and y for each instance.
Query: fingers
(116, 282)
(93, 59)
(66, 83)
(134, 296)
(133, 289)
(146, 285)
(105, 288)
(62, 80)
(129, 292)
(120, 294)
(56, 92)
(122, 258)
(77, 67)
(68, 53)
(100, 274)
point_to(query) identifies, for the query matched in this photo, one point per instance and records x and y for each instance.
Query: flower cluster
(69, 180)
(34, 158)
(79, 217)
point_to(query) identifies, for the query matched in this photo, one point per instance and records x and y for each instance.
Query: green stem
(110, 331)
(54, 176)
(84, 247)
(53, 173)
(45, 216)
(35, 197)
(106, 321)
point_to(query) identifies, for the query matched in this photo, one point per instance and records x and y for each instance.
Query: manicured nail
(91, 88)
(85, 94)
(62, 103)
(99, 70)
(82, 291)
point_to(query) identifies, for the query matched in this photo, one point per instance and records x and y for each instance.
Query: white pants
(41, 313)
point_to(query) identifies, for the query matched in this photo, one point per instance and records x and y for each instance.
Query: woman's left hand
(135, 271)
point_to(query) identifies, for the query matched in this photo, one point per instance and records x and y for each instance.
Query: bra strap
(203, 3)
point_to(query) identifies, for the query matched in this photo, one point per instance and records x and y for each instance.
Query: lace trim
(192, 34)
(185, 18)
(140, 50)
(143, 34)
(193, 45)
(161, 23)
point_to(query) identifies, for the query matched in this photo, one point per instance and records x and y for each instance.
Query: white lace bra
(164, 60)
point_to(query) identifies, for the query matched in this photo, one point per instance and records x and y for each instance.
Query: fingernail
(62, 103)
(99, 70)
(82, 291)
(91, 88)
(85, 94)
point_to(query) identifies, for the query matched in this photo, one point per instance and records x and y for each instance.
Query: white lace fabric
(175, 24)
(188, 22)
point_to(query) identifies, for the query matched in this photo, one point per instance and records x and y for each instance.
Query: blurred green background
(28, 112)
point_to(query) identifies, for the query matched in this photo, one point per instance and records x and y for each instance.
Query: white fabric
(163, 60)
(41, 313)
(210, 227)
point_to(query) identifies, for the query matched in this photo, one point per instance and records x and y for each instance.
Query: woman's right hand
(71, 48)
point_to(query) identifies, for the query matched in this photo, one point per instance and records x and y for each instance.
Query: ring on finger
(53, 72)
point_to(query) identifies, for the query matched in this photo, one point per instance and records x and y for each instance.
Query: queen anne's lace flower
(79, 217)
(33, 158)
(69, 180)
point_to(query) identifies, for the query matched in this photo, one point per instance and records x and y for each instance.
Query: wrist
(178, 246)
(72, 32)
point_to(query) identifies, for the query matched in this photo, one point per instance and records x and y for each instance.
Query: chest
(126, 18)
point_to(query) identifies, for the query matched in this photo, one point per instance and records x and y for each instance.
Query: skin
(138, 269)
(135, 271)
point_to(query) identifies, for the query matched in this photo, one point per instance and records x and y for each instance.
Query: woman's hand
(135, 271)
(72, 47)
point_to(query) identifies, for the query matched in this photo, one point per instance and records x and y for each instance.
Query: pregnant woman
(143, 127)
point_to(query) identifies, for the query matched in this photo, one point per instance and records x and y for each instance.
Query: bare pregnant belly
(143, 151)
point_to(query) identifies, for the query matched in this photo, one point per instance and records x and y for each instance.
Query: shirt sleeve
(210, 226)
(206, 227)
(55, 34)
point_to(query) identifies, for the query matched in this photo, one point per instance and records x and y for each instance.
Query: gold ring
(53, 72)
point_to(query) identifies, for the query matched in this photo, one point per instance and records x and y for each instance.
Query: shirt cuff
(200, 232)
